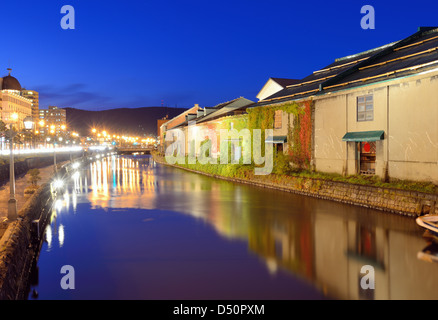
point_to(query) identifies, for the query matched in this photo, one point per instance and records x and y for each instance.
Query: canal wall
(402, 202)
(21, 242)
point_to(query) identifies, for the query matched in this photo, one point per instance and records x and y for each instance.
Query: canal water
(129, 228)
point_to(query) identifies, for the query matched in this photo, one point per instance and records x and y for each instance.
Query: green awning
(364, 136)
(276, 139)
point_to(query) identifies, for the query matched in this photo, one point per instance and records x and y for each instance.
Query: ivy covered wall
(300, 146)
(299, 137)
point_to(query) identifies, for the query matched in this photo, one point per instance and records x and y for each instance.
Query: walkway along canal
(131, 228)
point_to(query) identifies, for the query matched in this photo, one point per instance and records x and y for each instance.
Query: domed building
(14, 107)
(11, 83)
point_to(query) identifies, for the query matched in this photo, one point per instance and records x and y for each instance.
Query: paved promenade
(21, 183)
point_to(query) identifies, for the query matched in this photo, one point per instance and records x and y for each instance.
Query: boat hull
(429, 254)
(429, 222)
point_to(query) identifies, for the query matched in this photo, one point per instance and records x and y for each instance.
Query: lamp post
(63, 133)
(42, 136)
(12, 203)
(28, 126)
(54, 156)
(53, 133)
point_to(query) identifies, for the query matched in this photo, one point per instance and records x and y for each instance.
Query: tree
(3, 127)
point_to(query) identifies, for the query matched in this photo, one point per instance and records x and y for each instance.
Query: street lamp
(28, 123)
(55, 141)
(93, 135)
(28, 126)
(12, 203)
(42, 132)
(54, 156)
(14, 118)
(63, 133)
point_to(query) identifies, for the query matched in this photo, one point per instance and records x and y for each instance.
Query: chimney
(424, 29)
(190, 117)
(208, 110)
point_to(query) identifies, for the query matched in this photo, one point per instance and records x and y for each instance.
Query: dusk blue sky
(145, 53)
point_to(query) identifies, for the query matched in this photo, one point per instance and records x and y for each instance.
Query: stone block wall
(403, 202)
(21, 243)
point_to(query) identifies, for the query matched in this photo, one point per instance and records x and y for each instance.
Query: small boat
(430, 223)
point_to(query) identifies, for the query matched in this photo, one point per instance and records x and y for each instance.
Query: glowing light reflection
(49, 236)
(121, 176)
(61, 235)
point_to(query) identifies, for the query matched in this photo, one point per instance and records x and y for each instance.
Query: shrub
(281, 163)
(31, 189)
(34, 176)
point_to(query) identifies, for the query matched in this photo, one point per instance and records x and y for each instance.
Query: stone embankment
(403, 202)
(21, 240)
(19, 244)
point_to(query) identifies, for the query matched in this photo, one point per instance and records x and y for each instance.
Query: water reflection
(323, 242)
(119, 181)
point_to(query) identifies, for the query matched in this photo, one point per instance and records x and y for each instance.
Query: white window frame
(365, 108)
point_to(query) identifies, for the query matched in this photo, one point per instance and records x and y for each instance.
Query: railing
(146, 150)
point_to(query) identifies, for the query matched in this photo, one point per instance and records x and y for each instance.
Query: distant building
(14, 107)
(172, 123)
(53, 120)
(274, 85)
(212, 119)
(33, 96)
(161, 122)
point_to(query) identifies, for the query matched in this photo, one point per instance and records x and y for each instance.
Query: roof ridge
(227, 102)
(372, 58)
(366, 52)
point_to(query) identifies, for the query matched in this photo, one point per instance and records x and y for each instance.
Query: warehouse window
(278, 119)
(365, 108)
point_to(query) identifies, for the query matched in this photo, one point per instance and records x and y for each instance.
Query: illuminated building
(14, 107)
(33, 96)
(54, 120)
(172, 123)
(209, 118)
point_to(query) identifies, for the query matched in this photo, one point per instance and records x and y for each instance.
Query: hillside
(135, 121)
